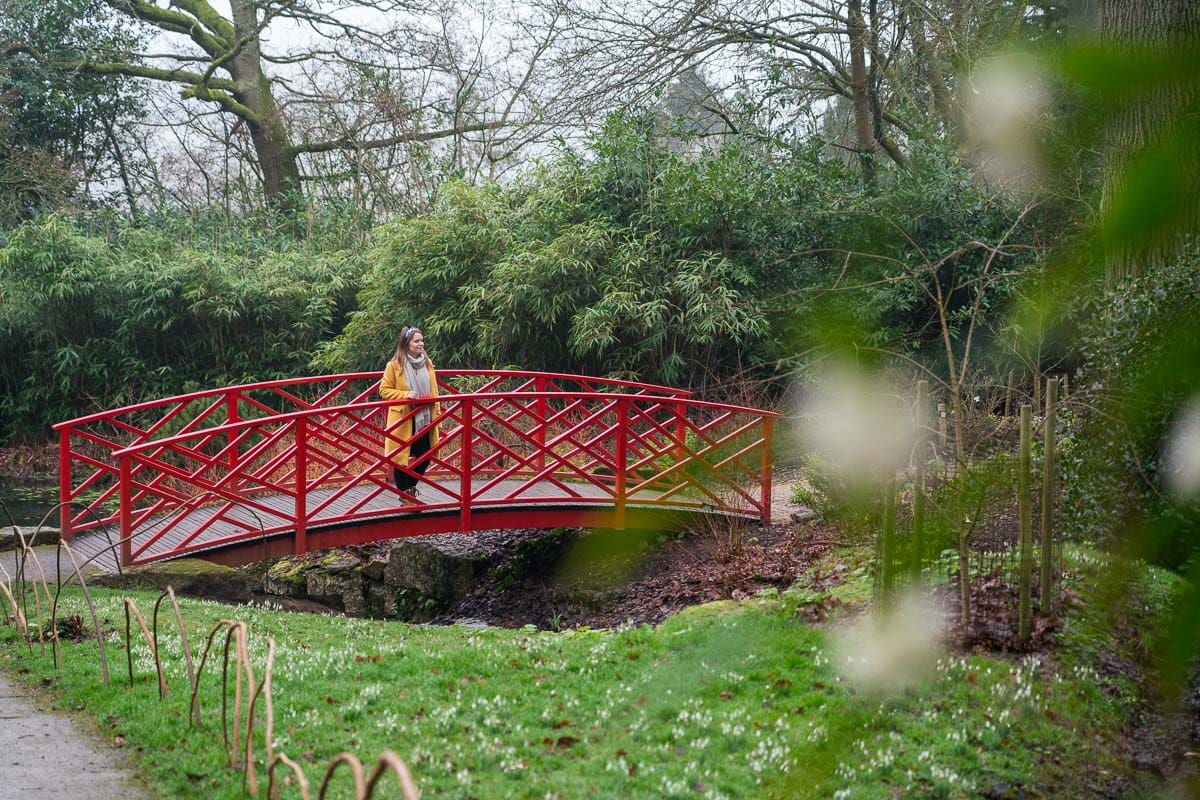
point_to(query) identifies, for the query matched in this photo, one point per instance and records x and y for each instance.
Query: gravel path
(783, 487)
(45, 755)
(46, 557)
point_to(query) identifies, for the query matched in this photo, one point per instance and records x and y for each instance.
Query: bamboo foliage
(84, 318)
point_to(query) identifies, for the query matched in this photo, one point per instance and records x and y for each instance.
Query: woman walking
(409, 376)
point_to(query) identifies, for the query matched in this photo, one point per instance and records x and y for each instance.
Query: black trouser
(405, 479)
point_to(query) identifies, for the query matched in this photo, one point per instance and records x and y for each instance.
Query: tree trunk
(272, 146)
(875, 90)
(863, 123)
(941, 104)
(1156, 24)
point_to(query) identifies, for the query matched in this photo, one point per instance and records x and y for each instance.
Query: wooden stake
(1037, 390)
(1049, 486)
(1026, 504)
(922, 424)
(941, 408)
(887, 554)
(1008, 408)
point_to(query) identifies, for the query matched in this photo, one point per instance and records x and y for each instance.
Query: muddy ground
(561, 579)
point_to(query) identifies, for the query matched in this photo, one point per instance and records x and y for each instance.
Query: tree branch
(416, 136)
(168, 20)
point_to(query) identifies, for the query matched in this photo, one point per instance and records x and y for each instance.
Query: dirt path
(783, 486)
(45, 755)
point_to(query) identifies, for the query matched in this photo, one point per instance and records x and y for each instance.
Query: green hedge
(89, 321)
(1142, 361)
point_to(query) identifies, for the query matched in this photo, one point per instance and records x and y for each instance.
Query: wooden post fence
(922, 428)
(941, 409)
(1049, 485)
(1026, 504)
(887, 549)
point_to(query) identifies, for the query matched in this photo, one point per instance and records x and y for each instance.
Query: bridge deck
(386, 507)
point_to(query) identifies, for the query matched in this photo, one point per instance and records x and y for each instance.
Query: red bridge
(268, 469)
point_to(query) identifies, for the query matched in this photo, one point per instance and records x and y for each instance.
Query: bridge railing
(323, 467)
(89, 474)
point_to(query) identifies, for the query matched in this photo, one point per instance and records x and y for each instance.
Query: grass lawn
(726, 700)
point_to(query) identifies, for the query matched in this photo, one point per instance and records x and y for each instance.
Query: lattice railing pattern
(216, 468)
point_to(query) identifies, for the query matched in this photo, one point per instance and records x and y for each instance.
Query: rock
(332, 578)
(803, 516)
(441, 568)
(193, 577)
(374, 568)
(287, 577)
(381, 601)
(9, 534)
(339, 584)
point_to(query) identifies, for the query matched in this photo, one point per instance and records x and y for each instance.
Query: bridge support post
(680, 431)
(125, 491)
(232, 416)
(465, 466)
(541, 410)
(300, 543)
(64, 482)
(622, 459)
(768, 457)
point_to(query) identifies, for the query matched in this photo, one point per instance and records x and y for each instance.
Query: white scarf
(416, 376)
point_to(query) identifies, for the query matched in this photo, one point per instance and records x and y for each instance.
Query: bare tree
(880, 59)
(319, 86)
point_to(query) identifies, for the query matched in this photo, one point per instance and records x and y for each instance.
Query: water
(27, 500)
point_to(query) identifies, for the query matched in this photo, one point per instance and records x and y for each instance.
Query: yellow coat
(394, 387)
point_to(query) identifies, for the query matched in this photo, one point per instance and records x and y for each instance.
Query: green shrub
(89, 322)
(1140, 364)
(635, 263)
(853, 506)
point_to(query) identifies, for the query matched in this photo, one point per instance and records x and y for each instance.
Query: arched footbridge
(283, 467)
